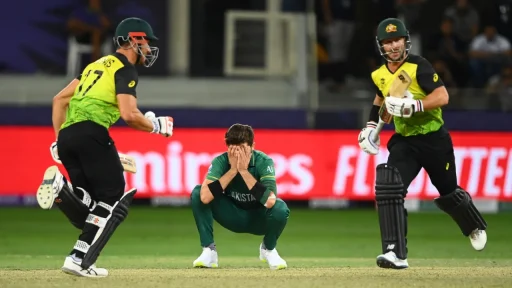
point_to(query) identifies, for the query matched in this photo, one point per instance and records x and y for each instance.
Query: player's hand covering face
(394, 48)
(244, 157)
(233, 156)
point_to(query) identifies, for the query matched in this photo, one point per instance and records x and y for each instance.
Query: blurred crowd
(467, 41)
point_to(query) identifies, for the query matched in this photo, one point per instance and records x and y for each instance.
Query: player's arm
(265, 188)
(60, 105)
(126, 81)
(429, 81)
(377, 103)
(218, 178)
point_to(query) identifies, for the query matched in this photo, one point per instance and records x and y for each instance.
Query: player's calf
(461, 208)
(389, 195)
(56, 189)
(107, 226)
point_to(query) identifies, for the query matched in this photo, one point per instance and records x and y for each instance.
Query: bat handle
(380, 125)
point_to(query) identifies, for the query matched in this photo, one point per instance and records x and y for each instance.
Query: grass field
(155, 247)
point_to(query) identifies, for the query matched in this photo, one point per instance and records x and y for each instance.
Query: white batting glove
(403, 107)
(163, 125)
(55, 152)
(365, 139)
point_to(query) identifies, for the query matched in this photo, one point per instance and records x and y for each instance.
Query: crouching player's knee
(280, 211)
(195, 196)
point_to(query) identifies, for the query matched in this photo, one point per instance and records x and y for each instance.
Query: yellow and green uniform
(95, 98)
(424, 81)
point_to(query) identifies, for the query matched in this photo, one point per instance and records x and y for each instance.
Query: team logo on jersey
(210, 168)
(435, 78)
(131, 84)
(270, 169)
(390, 28)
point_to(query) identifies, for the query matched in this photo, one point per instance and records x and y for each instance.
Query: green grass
(155, 247)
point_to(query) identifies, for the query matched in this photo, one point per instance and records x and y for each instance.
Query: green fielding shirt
(261, 168)
(95, 97)
(424, 81)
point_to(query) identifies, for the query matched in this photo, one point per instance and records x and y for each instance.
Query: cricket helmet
(392, 28)
(138, 33)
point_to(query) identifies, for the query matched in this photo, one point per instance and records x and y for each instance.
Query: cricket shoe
(72, 266)
(207, 259)
(478, 239)
(53, 181)
(272, 258)
(389, 260)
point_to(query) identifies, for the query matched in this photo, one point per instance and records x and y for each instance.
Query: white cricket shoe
(389, 260)
(50, 187)
(72, 266)
(275, 262)
(207, 259)
(478, 239)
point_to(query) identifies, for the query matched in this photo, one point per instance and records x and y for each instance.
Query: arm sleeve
(126, 80)
(427, 78)
(376, 88)
(267, 175)
(218, 168)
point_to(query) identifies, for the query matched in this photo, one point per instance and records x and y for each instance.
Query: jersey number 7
(98, 73)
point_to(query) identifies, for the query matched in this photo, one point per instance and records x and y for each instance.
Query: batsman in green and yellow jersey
(94, 200)
(240, 193)
(420, 141)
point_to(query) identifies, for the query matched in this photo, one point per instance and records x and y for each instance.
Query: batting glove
(163, 125)
(403, 107)
(365, 138)
(55, 152)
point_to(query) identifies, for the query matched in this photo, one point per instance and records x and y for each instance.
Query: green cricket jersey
(424, 81)
(95, 98)
(261, 168)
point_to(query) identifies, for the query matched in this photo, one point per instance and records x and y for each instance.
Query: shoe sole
(76, 273)
(45, 196)
(202, 265)
(386, 264)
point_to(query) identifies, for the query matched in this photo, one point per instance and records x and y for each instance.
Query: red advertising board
(308, 164)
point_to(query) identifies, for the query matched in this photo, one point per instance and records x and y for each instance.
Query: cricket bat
(397, 89)
(128, 163)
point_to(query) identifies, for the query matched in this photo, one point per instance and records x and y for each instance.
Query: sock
(263, 246)
(212, 247)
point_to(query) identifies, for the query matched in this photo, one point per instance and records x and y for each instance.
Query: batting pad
(461, 208)
(74, 208)
(107, 228)
(389, 195)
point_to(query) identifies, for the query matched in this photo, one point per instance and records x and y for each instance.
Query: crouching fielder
(239, 192)
(420, 141)
(82, 114)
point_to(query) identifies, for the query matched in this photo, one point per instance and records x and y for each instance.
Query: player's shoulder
(417, 59)
(221, 158)
(261, 156)
(377, 72)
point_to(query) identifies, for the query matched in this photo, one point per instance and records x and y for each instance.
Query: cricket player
(420, 141)
(95, 201)
(239, 192)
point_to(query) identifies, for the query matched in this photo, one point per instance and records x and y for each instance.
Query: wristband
(260, 192)
(419, 106)
(216, 188)
(374, 114)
